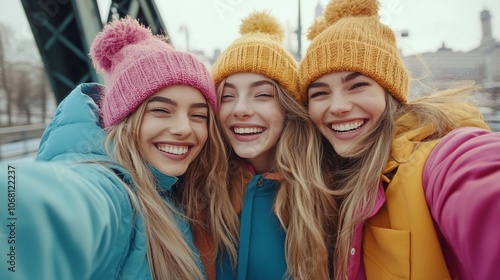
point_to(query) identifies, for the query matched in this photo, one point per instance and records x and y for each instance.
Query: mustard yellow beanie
(259, 50)
(350, 37)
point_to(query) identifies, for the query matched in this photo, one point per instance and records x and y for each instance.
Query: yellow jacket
(400, 241)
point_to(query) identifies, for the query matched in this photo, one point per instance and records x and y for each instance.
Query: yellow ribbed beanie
(350, 37)
(259, 50)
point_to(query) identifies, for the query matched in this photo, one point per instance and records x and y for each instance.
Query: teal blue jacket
(70, 218)
(261, 254)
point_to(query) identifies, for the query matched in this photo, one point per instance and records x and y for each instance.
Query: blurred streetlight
(299, 35)
(184, 29)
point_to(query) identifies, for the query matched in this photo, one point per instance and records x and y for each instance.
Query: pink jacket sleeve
(461, 181)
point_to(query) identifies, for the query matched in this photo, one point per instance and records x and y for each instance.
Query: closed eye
(200, 116)
(226, 97)
(317, 94)
(265, 95)
(358, 85)
(159, 109)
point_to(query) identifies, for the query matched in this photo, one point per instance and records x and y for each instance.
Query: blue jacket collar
(165, 182)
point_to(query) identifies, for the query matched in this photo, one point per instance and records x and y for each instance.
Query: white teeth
(347, 126)
(176, 150)
(247, 130)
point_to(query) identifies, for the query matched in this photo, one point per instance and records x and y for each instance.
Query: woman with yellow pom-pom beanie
(275, 180)
(416, 181)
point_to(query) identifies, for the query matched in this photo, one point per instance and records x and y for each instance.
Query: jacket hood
(408, 133)
(75, 133)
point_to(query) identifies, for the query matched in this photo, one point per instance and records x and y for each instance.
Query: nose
(242, 109)
(181, 126)
(340, 104)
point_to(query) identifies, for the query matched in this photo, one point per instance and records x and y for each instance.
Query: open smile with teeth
(347, 127)
(176, 150)
(248, 130)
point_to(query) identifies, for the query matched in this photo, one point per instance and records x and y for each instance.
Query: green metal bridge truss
(65, 29)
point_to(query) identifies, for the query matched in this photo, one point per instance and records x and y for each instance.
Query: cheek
(143, 145)
(222, 117)
(144, 132)
(224, 111)
(379, 108)
(315, 112)
(278, 117)
(278, 123)
(151, 126)
(147, 131)
(201, 133)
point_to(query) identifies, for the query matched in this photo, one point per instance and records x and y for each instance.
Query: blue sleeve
(61, 221)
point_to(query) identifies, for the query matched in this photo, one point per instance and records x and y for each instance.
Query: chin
(343, 150)
(175, 172)
(246, 154)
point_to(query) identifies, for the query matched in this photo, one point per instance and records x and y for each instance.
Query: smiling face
(173, 129)
(251, 118)
(345, 106)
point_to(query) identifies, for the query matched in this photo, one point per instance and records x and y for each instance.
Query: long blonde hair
(205, 200)
(302, 203)
(356, 176)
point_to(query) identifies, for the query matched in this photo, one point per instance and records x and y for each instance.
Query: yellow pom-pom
(262, 22)
(337, 9)
(317, 27)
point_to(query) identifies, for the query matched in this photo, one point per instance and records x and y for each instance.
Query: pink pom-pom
(113, 38)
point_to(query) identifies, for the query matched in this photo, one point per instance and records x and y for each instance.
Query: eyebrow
(229, 85)
(350, 77)
(260, 83)
(199, 105)
(252, 85)
(163, 100)
(317, 85)
(171, 102)
(345, 79)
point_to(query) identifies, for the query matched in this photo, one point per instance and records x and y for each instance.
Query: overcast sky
(429, 22)
(214, 24)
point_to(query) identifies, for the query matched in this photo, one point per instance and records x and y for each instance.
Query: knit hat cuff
(260, 59)
(160, 69)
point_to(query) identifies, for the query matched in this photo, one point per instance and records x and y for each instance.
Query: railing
(18, 141)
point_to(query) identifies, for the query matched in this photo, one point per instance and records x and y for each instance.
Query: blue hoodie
(70, 218)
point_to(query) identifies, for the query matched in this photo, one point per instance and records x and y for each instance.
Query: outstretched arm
(61, 222)
(462, 185)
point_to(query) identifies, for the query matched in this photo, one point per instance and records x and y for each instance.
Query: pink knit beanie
(136, 64)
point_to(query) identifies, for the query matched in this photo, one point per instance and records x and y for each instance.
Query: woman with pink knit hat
(275, 176)
(129, 177)
(417, 181)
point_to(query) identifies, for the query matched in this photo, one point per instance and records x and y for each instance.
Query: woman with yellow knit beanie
(275, 177)
(416, 181)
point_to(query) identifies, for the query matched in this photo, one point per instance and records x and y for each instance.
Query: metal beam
(63, 31)
(143, 10)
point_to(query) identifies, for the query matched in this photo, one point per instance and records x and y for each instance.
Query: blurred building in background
(445, 68)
